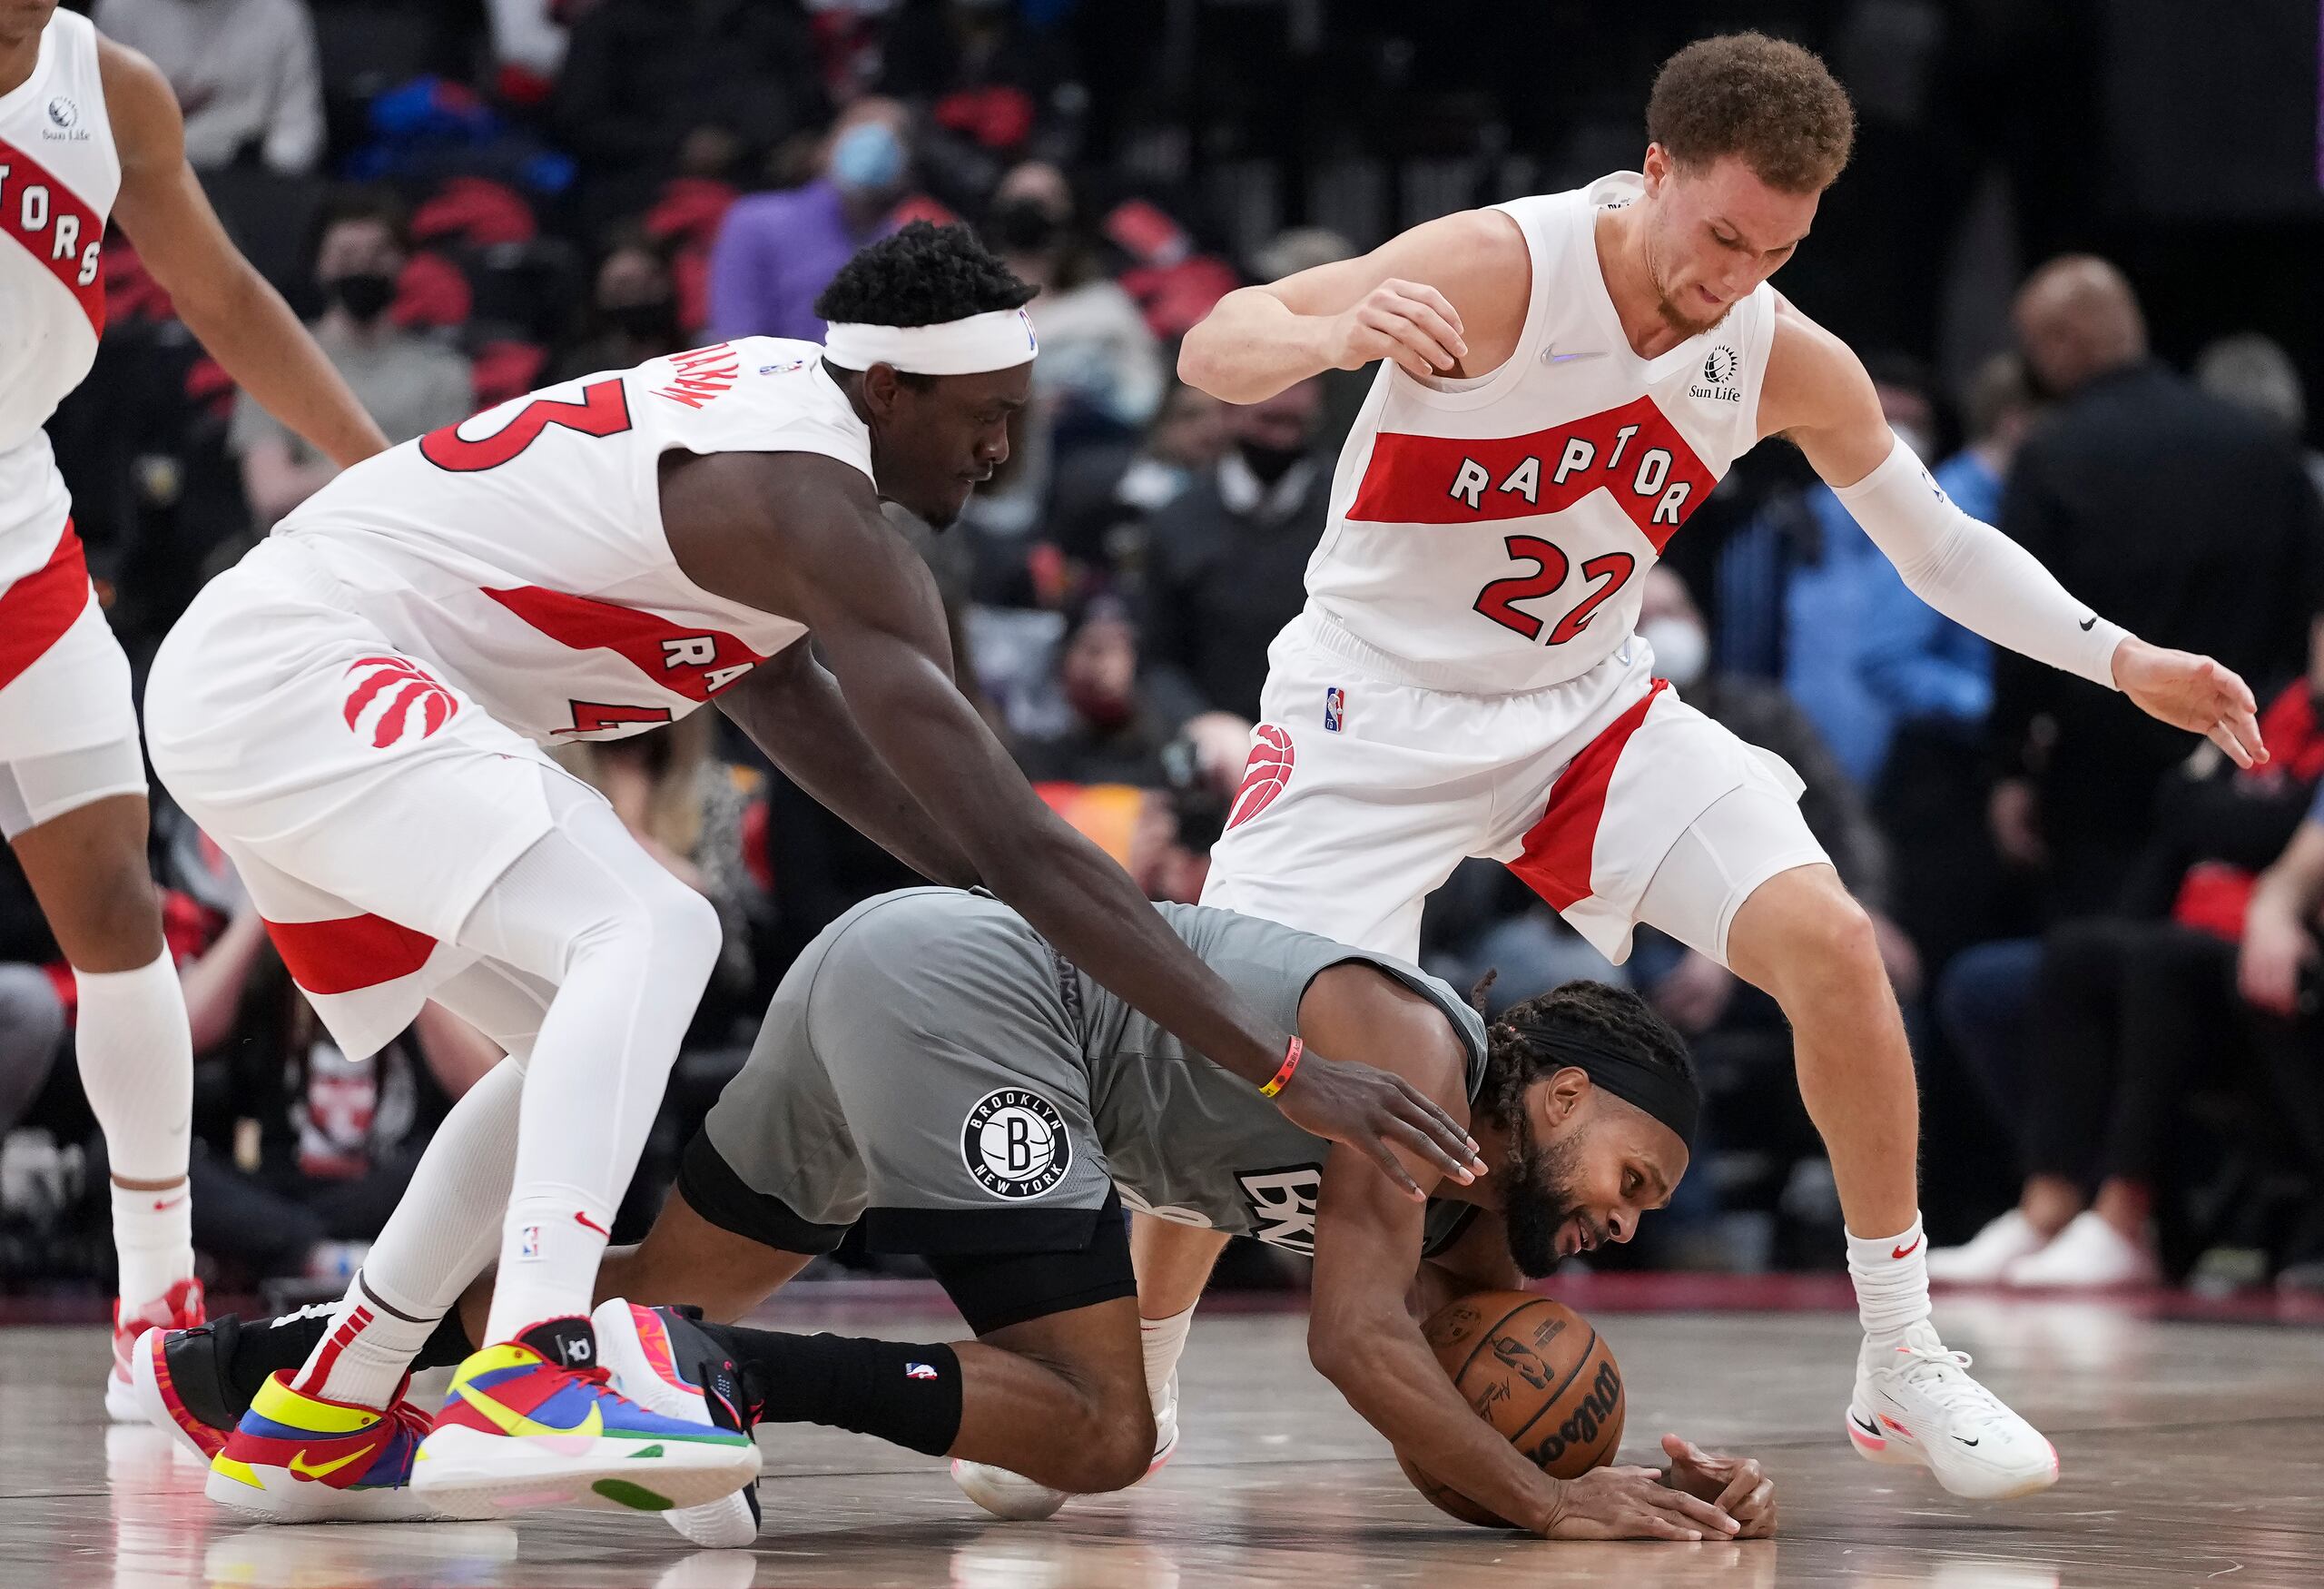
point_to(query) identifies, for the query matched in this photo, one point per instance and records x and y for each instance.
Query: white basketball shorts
(68, 732)
(1366, 785)
(366, 801)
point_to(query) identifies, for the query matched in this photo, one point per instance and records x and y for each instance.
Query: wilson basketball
(1539, 1374)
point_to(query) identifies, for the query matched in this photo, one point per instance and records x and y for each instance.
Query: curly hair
(1520, 1048)
(1770, 102)
(921, 275)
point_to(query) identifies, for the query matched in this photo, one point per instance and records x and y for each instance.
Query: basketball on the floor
(1539, 1374)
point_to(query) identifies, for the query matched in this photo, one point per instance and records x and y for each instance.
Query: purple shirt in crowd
(776, 251)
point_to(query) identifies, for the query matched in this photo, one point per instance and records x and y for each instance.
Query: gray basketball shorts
(919, 1072)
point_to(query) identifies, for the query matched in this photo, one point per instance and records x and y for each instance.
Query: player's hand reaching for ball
(1373, 1111)
(2193, 693)
(1737, 1485)
(1408, 321)
(1633, 1502)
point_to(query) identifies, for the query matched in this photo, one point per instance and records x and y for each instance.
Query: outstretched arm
(792, 709)
(1816, 392)
(242, 320)
(842, 571)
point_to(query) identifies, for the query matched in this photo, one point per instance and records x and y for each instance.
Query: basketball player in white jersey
(1563, 381)
(356, 712)
(89, 130)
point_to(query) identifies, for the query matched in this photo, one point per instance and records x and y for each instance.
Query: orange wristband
(1282, 1077)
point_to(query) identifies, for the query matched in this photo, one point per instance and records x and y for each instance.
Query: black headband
(1660, 1090)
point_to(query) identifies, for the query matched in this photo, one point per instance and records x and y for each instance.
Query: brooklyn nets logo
(1014, 1143)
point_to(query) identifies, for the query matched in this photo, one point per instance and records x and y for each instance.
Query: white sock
(441, 1234)
(1891, 1276)
(1162, 1340)
(368, 1349)
(549, 1249)
(136, 1058)
(152, 1236)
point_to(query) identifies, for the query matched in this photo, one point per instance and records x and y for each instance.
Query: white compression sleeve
(1977, 576)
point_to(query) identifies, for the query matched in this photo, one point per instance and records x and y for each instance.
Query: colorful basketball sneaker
(179, 1308)
(518, 1429)
(177, 1376)
(667, 1364)
(300, 1458)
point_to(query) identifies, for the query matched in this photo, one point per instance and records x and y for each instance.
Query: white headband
(1001, 340)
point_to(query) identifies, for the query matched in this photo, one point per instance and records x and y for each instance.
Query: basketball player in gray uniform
(932, 1069)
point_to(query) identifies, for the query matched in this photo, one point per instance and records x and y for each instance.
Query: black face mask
(1269, 463)
(651, 320)
(364, 296)
(1022, 226)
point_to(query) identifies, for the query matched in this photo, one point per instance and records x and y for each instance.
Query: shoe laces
(1942, 1376)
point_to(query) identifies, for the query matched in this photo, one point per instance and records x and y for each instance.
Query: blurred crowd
(2103, 935)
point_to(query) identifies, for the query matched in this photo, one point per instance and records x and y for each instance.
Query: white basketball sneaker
(1986, 1256)
(1915, 1403)
(1019, 1499)
(2088, 1254)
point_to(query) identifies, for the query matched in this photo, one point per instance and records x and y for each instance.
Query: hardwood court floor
(2193, 1454)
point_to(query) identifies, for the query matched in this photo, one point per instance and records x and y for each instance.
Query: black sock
(447, 1347)
(900, 1392)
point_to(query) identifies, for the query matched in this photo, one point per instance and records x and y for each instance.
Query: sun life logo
(1719, 369)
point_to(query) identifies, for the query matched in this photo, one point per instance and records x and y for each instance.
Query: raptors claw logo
(400, 699)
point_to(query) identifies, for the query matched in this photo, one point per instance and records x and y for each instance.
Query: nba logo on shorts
(1335, 705)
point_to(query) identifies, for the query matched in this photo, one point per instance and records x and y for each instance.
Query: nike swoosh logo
(586, 1223)
(1966, 1441)
(1550, 357)
(2090, 623)
(518, 1423)
(1869, 1428)
(1907, 1251)
(305, 1469)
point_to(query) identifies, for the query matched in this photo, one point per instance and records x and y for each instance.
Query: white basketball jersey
(1494, 532)
(522, 550)
(58, 175)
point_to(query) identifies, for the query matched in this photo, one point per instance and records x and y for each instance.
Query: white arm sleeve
(1977, 576)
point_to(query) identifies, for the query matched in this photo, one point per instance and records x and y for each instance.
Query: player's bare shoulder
(147, 128)
(1356, 1011)
(748, 526)
(1815, 382)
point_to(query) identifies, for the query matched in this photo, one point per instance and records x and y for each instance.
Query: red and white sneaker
(179, 1308)
(1917, 1406)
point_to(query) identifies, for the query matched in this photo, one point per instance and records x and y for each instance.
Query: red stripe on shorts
(1558, 851)
(348, 954)
(36, 610)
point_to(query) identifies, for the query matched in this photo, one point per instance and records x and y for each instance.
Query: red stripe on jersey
(691, 662)
(347, 955)
(1632, 453)
(1558, 851)
(36, 610)
(35, 223)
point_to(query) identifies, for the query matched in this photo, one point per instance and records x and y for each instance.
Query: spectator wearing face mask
(1100, 363)
(1103, 734)
(777, 251)
(1226, 561)
(633, 311)
(406, 383)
